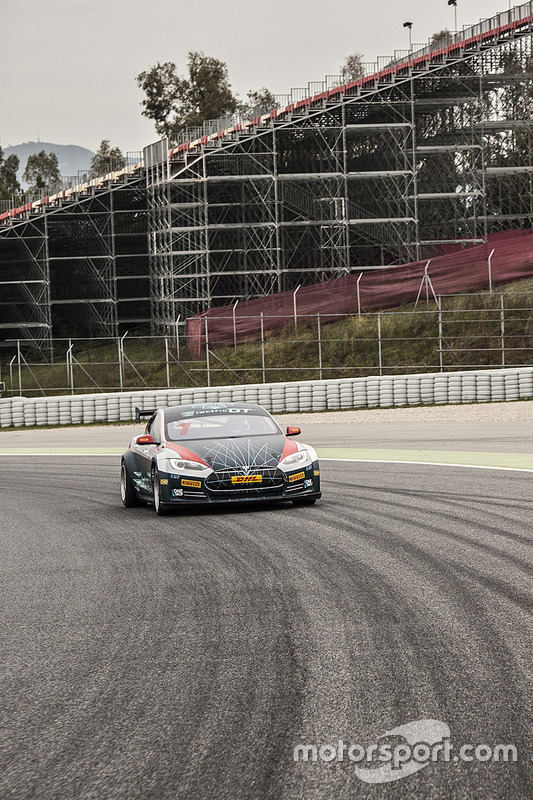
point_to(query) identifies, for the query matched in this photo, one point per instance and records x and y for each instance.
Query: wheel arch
(129, 460)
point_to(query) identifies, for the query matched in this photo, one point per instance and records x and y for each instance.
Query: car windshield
(220, 426)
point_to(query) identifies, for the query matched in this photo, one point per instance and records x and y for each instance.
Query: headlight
(295, 460)
(180, 465)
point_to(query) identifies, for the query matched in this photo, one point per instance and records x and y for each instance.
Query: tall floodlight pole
(454, 4)
(410, 26)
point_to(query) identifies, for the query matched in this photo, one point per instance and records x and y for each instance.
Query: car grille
(272, 480)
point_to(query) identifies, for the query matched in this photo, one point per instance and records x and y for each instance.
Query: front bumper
(261, 485)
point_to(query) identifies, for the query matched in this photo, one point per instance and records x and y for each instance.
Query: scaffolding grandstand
(428, 151)
(76, 263)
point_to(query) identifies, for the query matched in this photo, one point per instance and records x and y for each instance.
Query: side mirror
(293, 430)
(146, 438)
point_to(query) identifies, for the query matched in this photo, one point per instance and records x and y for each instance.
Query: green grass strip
(461, 458)
(62, 451)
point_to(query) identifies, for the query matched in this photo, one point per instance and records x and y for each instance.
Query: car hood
(242, 452)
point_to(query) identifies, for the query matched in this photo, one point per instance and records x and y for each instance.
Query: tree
(9, 184)
(106, 159)
(165, 93)
(353, 68)
(42, 172)
(210, 95)
(440, 37)
(174, 102)
(262, 99)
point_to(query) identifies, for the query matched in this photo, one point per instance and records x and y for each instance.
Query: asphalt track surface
(186, 656)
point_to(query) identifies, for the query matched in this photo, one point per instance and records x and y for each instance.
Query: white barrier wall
(479, 386)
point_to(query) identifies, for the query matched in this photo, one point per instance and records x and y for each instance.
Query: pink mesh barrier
(460, 271)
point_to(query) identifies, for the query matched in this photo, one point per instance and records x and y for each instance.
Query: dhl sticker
(247, 479)
(192, 484)
(298, 477)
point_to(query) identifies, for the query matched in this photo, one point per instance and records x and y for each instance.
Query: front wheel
(128, 494)
(305, 501)
(160, 508)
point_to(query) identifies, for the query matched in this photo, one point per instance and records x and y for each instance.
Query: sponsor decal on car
(192, 484)
(247, 479)
(163, 481)
(316, 473)
(298, 477)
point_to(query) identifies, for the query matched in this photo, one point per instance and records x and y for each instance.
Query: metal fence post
(235, 326)
(319, 346)
(19, 368)
(294, 307)
(502, 327)
(71, 369)
(70, 366)
(439, 303)
(379, 344)
(263, 348)
(490, 269)
(207, 364)
(67, 362)
(167, 362)
(121, 365)
(11, 375)
(119, 356)
(178, 338)
(359, 295)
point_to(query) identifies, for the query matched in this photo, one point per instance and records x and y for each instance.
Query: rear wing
(143, 413)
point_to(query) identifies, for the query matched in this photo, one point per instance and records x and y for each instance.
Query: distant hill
(71, 158)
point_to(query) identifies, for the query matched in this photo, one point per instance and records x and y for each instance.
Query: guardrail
(438, 388)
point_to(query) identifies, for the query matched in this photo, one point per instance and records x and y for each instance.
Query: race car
(216, 453)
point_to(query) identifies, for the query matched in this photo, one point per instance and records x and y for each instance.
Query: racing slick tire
(127, 491)
(160, 508)
(304, 501)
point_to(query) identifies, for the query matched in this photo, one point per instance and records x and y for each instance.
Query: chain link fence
(456, 332)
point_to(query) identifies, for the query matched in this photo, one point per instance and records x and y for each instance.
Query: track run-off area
(188, 656)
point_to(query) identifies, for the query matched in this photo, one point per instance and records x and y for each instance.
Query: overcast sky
(69, 66)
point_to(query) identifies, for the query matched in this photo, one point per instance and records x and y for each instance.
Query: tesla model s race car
(216, 453)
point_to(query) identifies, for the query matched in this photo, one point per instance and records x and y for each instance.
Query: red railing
(493, 28)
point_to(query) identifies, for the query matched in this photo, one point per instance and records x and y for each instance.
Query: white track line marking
(424, 463)
(339, 460)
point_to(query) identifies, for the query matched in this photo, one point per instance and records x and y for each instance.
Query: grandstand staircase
(77, 192)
